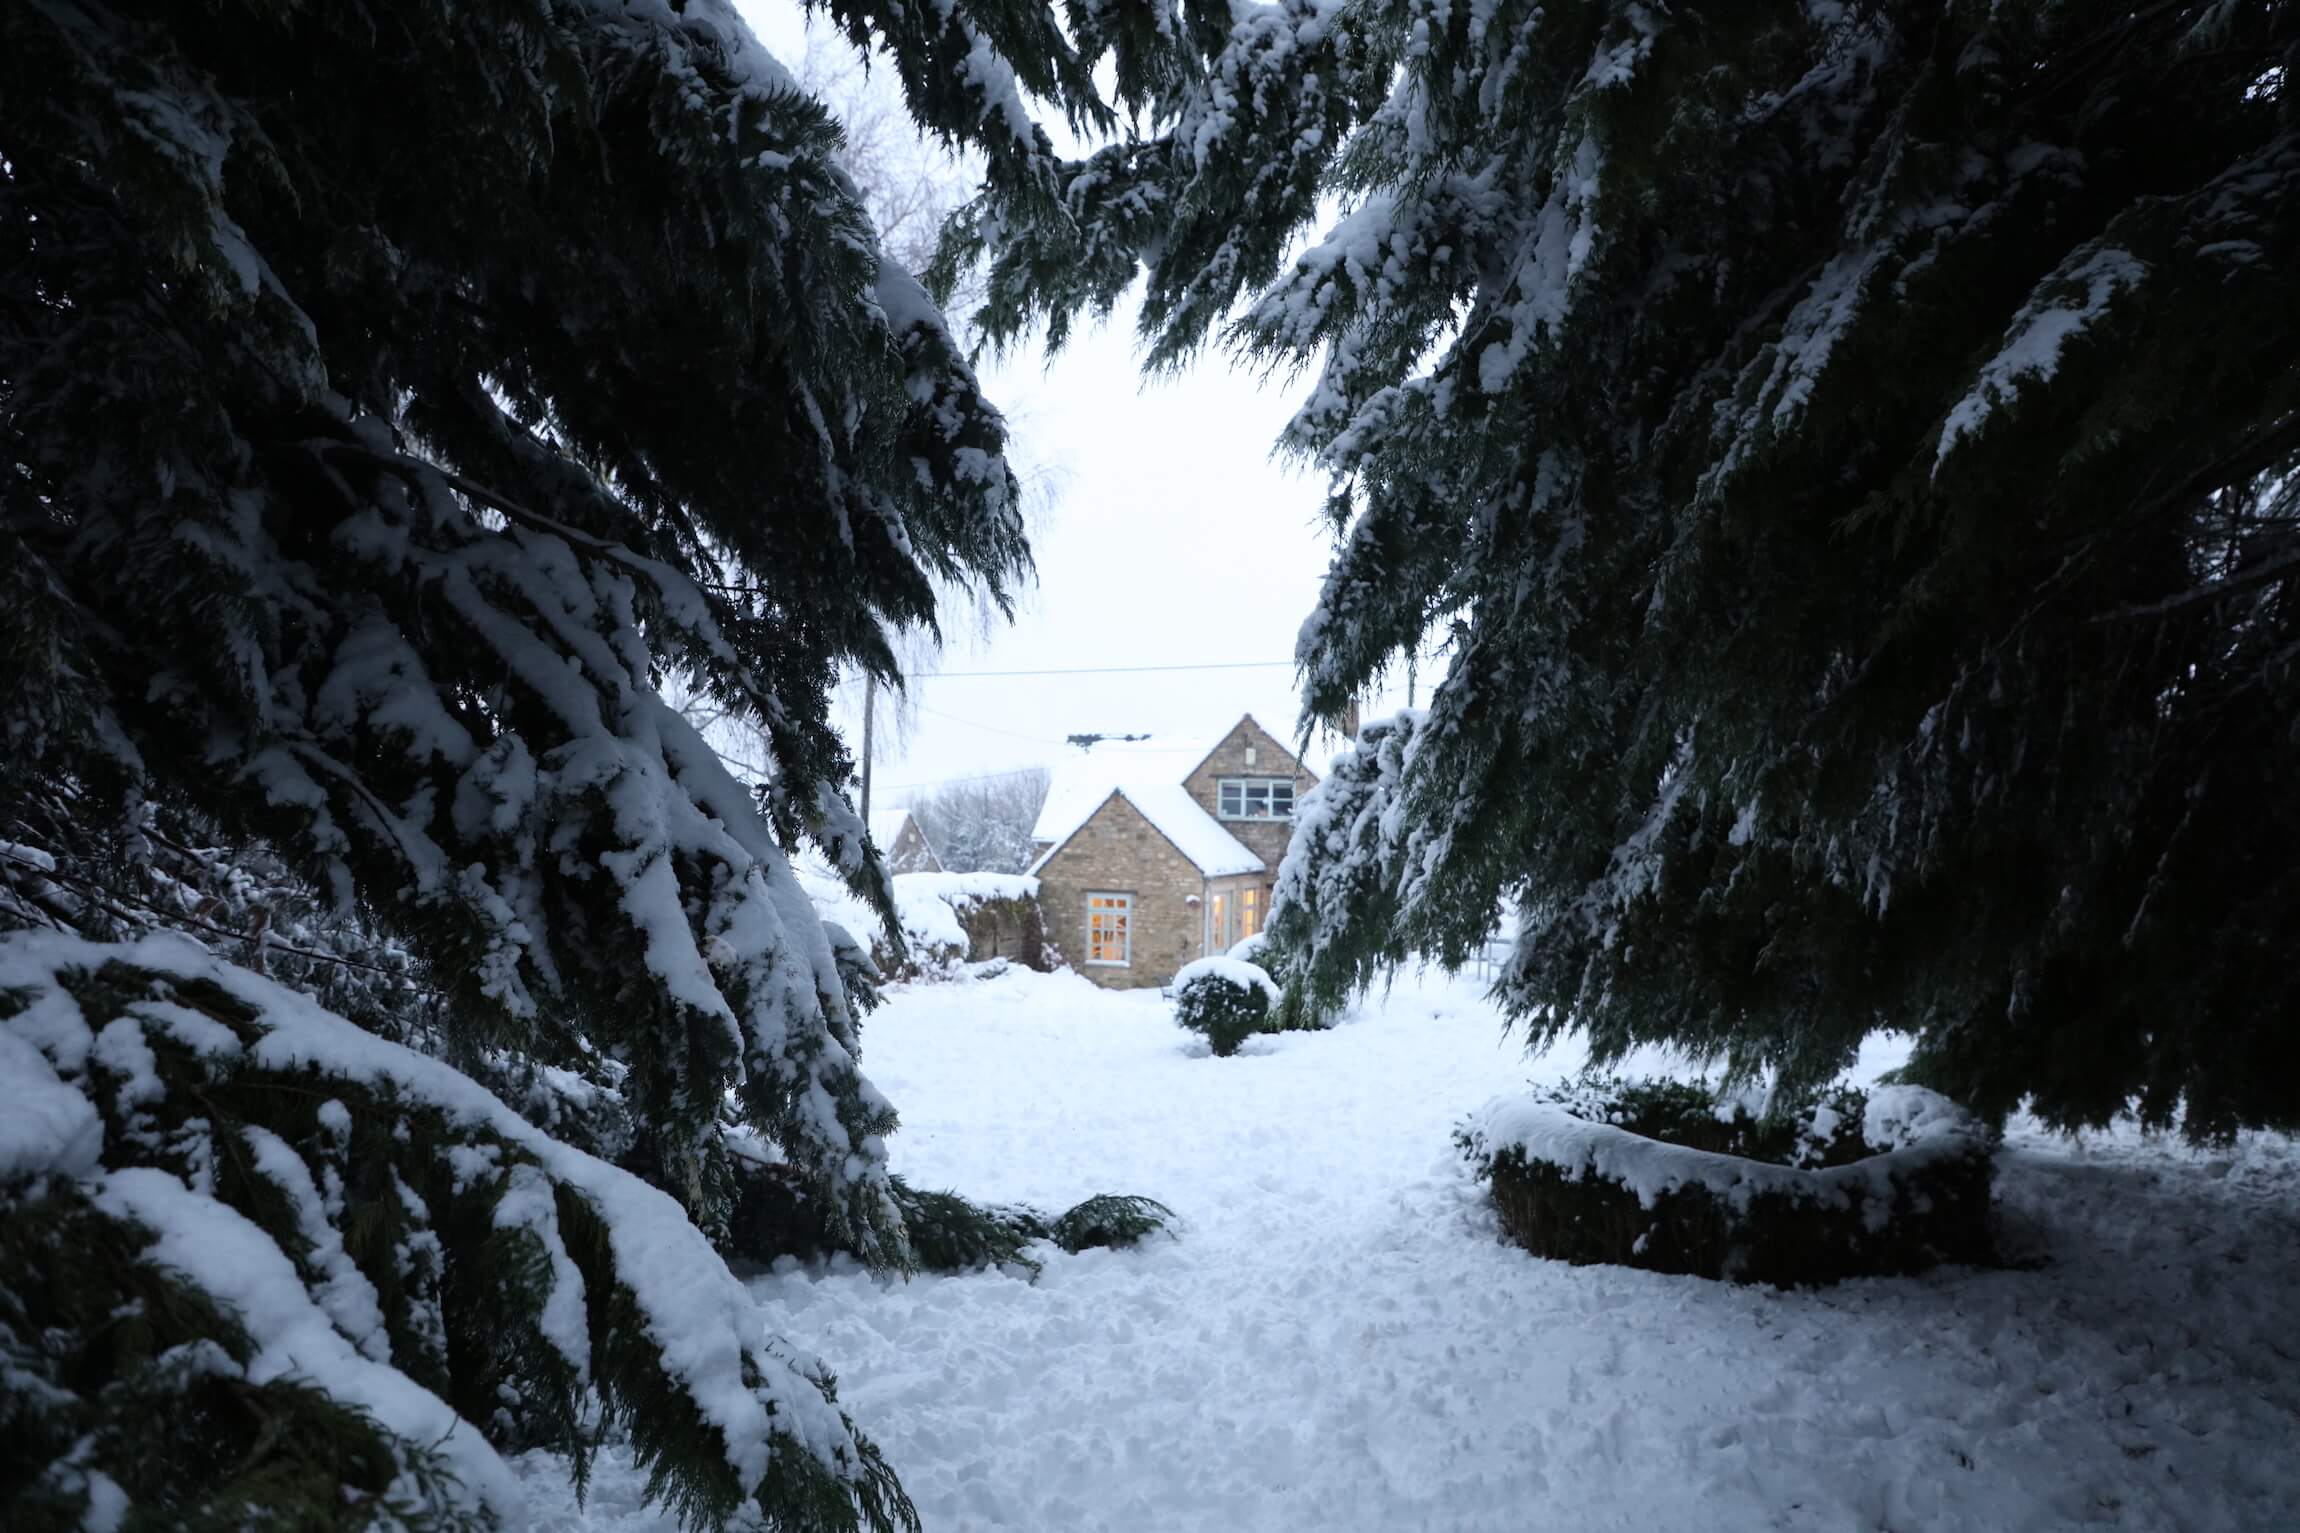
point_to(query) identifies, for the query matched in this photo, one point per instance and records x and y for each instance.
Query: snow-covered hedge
(253, 1256)
(1671, 1178)
(1226, 999)
(996, 914)
(948, 920)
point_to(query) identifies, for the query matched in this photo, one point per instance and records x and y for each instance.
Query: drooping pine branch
(1847, 453)
(276, 1262)
(367, 480)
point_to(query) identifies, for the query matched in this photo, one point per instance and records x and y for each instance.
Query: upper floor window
(1256, 798)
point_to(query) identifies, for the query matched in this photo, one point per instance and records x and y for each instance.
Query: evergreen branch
(103, 896)
(2262, 573)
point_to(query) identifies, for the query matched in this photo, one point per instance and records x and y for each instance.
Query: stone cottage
(901, 844)
(1140, 877)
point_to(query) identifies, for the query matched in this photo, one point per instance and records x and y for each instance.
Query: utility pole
(870, 707)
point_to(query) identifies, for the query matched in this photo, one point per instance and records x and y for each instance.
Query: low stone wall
(1908, 1191)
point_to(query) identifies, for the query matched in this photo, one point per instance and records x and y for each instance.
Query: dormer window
(1256, 798)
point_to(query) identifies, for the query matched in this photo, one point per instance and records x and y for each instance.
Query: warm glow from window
(1250, 912)
(1106, 922)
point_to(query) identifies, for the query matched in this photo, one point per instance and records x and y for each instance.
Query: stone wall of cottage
(1117, 851)
(1265, 838)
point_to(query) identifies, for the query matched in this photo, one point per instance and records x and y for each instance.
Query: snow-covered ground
(1338, 1341)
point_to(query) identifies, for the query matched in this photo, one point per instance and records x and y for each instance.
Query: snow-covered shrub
(945, 920)
(1293, 1011)
(951, 1234)
(253, 1256)
(1225, 999)
(997, 913)
(1254, 950)
(934, 940)
(1110, 1221)
(1673, 1178)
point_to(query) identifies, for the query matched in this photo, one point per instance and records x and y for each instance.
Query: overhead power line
(944, 782)
(988, 728)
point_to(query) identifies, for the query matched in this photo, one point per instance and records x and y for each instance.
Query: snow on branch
(311, 1179)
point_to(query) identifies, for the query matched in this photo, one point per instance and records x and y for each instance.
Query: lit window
(1106, 923)
(1255, 798)
(1249, 912)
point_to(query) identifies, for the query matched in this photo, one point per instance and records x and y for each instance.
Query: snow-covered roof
(1174, 814)
(1079, 784)
(885, 825)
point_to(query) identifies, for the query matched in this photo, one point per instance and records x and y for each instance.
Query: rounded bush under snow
(1226, 999)
(1668, 1177)
(1251, 949)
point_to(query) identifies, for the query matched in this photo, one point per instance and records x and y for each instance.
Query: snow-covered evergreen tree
(1335, 924)
(362, 504)
(392, 398)
(1848, 451)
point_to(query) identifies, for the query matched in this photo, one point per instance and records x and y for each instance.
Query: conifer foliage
(1335, 923)
(1848, 451)
(263, 1268)
(358, 502)
(392, 397)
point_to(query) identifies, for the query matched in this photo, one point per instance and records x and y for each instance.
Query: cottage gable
(1239, 783)
(902, 843)
(1124, 903)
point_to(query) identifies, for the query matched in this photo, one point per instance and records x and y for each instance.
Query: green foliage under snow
(1225, 1001)
(265, 1267)
(392, 398)
(949, 1233)
(1335, 925)
(1846, 454)
(1816, 1188)
(368, 472)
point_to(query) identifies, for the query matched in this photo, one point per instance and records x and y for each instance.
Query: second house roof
(1174, 814)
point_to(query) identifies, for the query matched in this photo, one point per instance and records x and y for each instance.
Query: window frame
(1123, 909)
(1243, 791)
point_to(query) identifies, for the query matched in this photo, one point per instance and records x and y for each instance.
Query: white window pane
(1106, 928)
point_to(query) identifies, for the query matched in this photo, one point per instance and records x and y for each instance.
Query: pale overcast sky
(1165, 534)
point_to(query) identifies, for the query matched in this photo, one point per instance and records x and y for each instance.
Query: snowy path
(1338, 1342)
